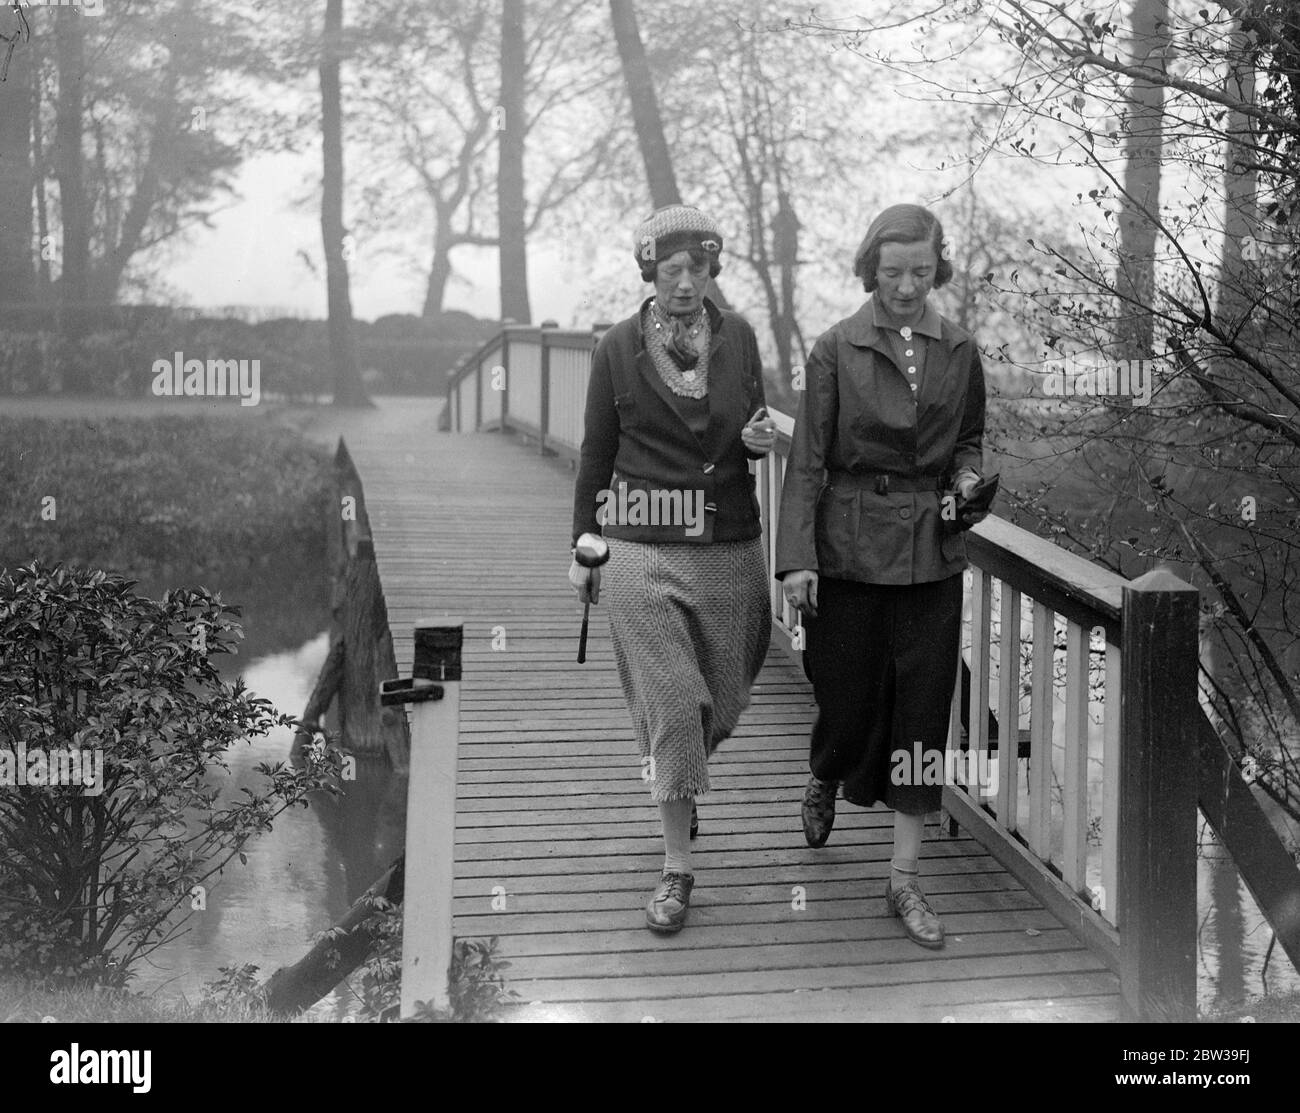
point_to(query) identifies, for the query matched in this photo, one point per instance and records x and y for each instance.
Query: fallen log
(294, 988)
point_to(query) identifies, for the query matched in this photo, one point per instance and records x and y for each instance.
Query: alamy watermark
(91, 1067)
(85, 7)
(1091, 376)
(660, 507)
(218, 378)
(24, 768)
(972, 768)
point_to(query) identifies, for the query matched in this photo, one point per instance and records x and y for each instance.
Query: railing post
(453, 396)
(1157, 800)
(544, 420)
(505, 373)
(478, 394)
(434, 691)
(457, 415)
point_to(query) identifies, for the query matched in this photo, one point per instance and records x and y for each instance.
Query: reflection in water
(1234, 937)
(304, 874)
(1222, 955)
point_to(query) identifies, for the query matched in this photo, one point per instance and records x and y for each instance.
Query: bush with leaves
(91, 884)
(237, 987)
(477, 986)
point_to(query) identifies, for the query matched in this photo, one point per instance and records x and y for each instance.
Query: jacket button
(904, 512)
(708, 469)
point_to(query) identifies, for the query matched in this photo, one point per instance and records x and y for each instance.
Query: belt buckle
(882, 484)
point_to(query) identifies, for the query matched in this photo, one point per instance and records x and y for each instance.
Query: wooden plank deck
(552, 810)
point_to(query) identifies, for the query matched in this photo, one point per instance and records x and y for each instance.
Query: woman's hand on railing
(759, 434)
(586, 582)
(800, 589)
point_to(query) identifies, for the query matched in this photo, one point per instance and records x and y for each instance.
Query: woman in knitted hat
(887, 452)
(675, 412)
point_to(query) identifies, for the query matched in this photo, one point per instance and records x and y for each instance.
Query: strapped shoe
(666, 912)
(819, 810)
(908, 903)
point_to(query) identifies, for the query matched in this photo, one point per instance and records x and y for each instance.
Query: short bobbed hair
(900, 224)
(650, 270)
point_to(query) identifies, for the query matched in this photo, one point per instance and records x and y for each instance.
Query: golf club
(591, 551)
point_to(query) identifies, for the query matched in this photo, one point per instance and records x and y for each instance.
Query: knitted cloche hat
(672, 229)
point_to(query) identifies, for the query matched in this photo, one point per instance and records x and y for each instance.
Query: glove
(586, 582)
(974, 500)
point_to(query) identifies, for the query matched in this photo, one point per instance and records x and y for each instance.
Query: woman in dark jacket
(675, 411)
(887, 440)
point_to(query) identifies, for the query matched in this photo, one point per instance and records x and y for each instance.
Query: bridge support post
(545, 406)
(434, 691)
(1157, 799)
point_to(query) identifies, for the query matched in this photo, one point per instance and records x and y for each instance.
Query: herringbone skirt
(690, 625)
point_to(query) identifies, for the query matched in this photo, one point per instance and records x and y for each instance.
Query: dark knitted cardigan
(634, 434)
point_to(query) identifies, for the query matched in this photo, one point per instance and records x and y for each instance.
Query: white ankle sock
(908, 831)
(676, 818)
(901, 871)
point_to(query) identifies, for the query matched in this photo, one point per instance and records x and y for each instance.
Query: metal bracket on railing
(412, 690)
(438, 651)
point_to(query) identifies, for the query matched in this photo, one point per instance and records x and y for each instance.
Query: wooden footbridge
(1067, 889)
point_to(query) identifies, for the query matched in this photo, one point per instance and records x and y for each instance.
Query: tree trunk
(16, 269)
(785, 252)
(107, 278)
(294, 988)
(348, 388)
(439, 268)
(645, 106)
(44, 281)
(1135, 279)
(510, 176)
(647, 119)
(74, 211)
(1240, 218)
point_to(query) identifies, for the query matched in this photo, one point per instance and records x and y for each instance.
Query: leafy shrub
(238, 986)
(476, 987)
(91, 884)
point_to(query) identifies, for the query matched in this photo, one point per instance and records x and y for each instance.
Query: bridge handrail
(1088, 639)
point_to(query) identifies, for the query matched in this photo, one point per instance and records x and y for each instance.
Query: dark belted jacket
(859, 420)
(634, 435)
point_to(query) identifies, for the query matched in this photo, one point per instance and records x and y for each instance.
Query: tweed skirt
(690, 625)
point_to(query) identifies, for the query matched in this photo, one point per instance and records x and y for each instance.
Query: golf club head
(591, 551)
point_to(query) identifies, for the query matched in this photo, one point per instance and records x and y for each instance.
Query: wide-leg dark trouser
(882, 659)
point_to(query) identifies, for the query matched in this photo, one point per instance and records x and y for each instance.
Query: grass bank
(148, 495)
(237, 506)
(22, 1002)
